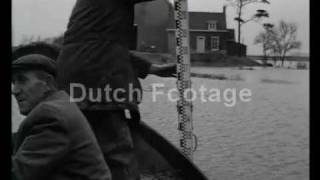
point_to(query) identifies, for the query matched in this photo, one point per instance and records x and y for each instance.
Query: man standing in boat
(95, 54)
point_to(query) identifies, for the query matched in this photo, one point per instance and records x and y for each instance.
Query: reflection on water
(267, 138)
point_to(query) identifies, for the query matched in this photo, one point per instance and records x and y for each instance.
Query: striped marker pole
(184, 104)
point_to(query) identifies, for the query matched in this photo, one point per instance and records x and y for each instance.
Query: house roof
(199, 20)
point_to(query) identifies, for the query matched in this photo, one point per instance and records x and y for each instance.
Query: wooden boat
(159, 159)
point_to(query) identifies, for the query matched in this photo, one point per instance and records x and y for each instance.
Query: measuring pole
(184, 104)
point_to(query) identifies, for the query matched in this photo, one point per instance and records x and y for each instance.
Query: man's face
(28, 90)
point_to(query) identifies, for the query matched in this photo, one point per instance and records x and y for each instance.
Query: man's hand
(164, 70)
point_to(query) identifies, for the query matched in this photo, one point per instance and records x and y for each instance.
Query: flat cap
(35, 62)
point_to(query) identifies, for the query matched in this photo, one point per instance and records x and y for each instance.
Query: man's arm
(140, 65)
(143, 67)
(163, 70)
(42, 151)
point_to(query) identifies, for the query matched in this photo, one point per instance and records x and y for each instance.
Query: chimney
(225, 16)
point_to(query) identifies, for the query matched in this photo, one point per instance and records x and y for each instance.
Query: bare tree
(58, 40)
(239, 5)
(279, 40)
(285, 39)
(27, 39)
(265, 39)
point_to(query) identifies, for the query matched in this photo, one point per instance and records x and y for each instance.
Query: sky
(48, 18)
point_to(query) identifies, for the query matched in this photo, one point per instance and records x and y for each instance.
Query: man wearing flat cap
(54, 141)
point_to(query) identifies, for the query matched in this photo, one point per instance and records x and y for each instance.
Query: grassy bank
(203, 59)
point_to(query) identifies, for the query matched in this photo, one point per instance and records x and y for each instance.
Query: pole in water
(184, 105)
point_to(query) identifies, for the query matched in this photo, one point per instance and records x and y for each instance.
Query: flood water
(264, 139)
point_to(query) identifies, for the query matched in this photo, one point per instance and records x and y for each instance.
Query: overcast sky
(48, 18)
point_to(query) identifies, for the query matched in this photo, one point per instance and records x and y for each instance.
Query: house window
(215, 42)
(212, 25)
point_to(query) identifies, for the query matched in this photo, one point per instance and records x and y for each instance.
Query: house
(208, 33)
(208, 30)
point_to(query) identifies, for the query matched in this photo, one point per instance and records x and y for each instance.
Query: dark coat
(95, 53)
(55, 142)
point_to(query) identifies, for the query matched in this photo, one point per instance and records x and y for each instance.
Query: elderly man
(55, 140)
(141, 68)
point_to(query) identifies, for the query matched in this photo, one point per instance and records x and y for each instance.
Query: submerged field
(266, 138)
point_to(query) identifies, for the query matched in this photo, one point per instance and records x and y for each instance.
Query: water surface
(265, 139)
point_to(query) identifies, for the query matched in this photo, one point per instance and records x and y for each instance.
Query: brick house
(208, 33)
(208, 30)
